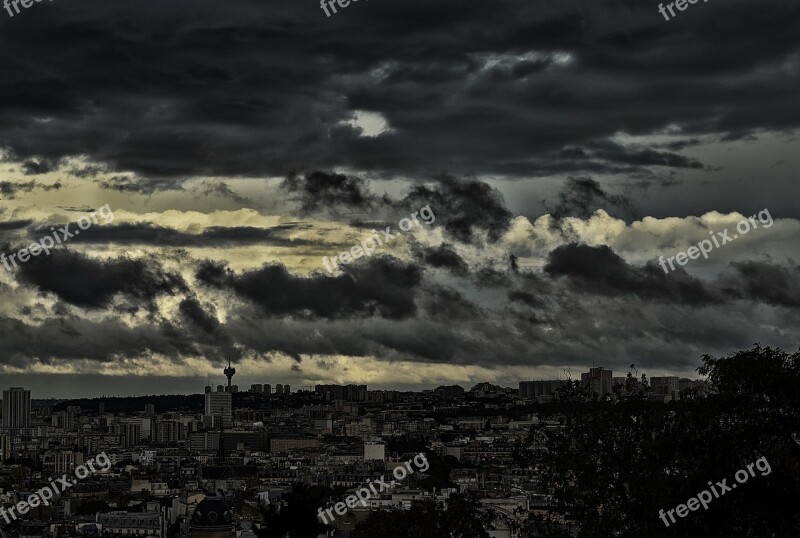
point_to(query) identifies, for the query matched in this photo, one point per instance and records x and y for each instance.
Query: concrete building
(219, 404)
(598, 381)
(16, 408)
(374, 451)
(665, 385)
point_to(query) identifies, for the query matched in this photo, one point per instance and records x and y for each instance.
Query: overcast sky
(562, 147)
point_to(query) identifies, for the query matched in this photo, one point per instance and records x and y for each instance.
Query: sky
(210, 155)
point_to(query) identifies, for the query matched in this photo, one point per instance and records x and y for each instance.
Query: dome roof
(212, 512)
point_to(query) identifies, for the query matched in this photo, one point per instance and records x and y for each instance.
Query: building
(278, 389)
(665, 385)
(257, 387)
(219, 404)
(267, 388)
(16, 408)
(374, 451)
(130, 433)
(135, 524)
(284, 445)
(598, 381)
(287, 389)
(5, 447)
(168, 431)
(349, 393)
(212, 519)
(450, 391)
(530, 390)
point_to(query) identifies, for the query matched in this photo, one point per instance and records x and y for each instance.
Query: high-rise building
(598, 380)
(287, 389)
(267, 388)
(149, 409)
(257, 387)
(219, 404)
(130, 433)
(278, 389)
(16, 408)
(168, 431)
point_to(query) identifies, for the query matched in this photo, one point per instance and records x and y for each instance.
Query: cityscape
(399, 269)
(172, 464)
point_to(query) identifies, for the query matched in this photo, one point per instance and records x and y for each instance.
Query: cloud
(445, 256)
(600, 270)
(90, 283)
(380, 286)
(465, 208)
(511, 86)
(321, 191)
(582, 196)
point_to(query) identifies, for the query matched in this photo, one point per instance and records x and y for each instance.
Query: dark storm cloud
(221, 189)
(34, 167)
(250, 88)
(600, 270)
(318, 191)
(442, 303)
(381, 286)
(764, 282)
(137, 185)
(445, 256)
(194, 312)
(586, 303)
(153, 235)
(91, 283)
(463, 207)
(15, 224)
(582, 196)
(9, 189)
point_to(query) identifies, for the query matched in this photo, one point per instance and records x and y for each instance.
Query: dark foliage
(616, 465)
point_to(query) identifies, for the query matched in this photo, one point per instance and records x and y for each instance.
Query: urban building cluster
(601, 383)
(208, 465)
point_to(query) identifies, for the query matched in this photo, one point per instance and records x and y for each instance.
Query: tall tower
(229, 372)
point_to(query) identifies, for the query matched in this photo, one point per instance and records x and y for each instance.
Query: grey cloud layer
(252, 88)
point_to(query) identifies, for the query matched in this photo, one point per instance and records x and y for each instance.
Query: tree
(297, 515)
(614, 466)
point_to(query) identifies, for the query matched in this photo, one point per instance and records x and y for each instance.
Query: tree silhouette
(614, 466)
